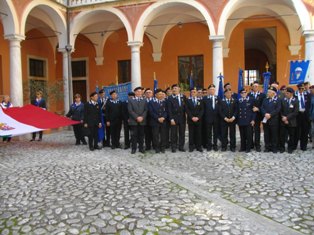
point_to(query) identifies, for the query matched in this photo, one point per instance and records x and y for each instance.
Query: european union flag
(298, 71)
(191, 81)
(266, 76)
(240, 82)
(155, 85)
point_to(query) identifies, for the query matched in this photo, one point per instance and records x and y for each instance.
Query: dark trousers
(302, 130)
(195, 136)
(159, 136)
(246, 137)
(225, 127)
(115, 131)
(137, 136)
(204, 134)
(77, 129)
(271, 137)
(257, 135)
(178, 130)
(212, 134)
(126, 129)
(292, 134)
(40, 135)
(93, 137)
(148, 137)
(168, 135)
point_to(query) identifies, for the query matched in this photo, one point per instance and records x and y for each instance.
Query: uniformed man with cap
(176, 104)
(303, 117)
(270, 110)
(246, 120)
(194, 111)
(148, 93)
(114, 118)
(92, 120)
(137, 108)
(158, 120)
(211, 117)
(288, 121)
(102, 100)
(228, 111)
(258, 98)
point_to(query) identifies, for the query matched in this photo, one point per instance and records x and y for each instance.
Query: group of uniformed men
(158, 119)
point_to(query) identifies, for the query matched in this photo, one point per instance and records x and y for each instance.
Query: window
(124, 71)
(37, 68)
(36, 85)
(188, 64)
(79, 68)
(250, 76)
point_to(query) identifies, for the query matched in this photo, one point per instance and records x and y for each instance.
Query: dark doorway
(260, 48)
(79, 87)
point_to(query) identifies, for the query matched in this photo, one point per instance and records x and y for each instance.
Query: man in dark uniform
(303, 117)
(258, 98)
(137, 108)
(40, 102)
(176, 111)
(204, 133)
(125, 117)
(289, 113)
(228, 111)
(158, 119)
(92, 120)
(148, 93)
(246, 118)
(114, 119)
(270, 109)
(168, 92)
(102, 100)
(211, 117)
(194, 111)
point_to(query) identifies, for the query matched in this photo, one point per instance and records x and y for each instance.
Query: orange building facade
(73, 46)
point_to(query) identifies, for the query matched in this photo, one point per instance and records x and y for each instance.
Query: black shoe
(274, 151)
(290, 151)
(91, 149)
(96, 147)
(200, 150)
(232, 149)
(241, 150)
(39, 139)
(126, 147)
(133, 151)
(84, 142)
(182, 150)
(209, 149)
(77, 142)
(282, 151)
(223, 149)
(162, 151)
(258, 149)
(173, 150)
(191, 150)
(142, 151)
(157, 151)
(248, 150)
(215, 148)
(32, 140)
(266, 151)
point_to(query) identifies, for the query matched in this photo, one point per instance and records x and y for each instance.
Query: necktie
(228, 102)
(213, 102)
(302, 102)
(194, 101)
(179, 100)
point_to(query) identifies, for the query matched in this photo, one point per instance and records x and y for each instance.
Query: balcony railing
(74, 3)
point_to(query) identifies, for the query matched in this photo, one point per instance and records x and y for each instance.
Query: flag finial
(267, 66)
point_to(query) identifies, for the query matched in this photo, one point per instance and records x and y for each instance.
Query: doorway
(79, 87)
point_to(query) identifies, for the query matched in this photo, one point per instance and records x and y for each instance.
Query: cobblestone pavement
(54, 187)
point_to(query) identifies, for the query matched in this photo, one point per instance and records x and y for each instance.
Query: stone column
(66, 88)
(16, 81)
(135, 63)
(309, 54)
(218, 63)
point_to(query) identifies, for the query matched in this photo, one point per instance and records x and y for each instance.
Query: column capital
(66, 49)
(135, 44)
(294, 49)
(14, 37)
(217, 38)
(157, 56)
(99, 60)
(309, 32)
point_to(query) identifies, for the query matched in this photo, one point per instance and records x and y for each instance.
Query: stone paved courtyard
(54, 187)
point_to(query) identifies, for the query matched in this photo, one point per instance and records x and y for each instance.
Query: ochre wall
(236, 58)
(5, 66)
(42, 49)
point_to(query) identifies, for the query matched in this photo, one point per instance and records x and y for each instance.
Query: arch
(233, 5)
(58, 19)
(155, 8)
(10, 21)
(79, 22)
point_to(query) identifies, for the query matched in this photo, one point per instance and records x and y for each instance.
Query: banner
(240, 82)
(298, 71)
(22, 120)
(122, 90)
(221, 87)
(191, 81)
(266, 76)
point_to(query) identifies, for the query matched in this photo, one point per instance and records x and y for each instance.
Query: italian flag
(23, 120)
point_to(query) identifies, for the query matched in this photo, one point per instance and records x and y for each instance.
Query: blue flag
(298, 71)
(221, 87)
(240, 83)
(155, 85)
(191, 81)
(266, 76)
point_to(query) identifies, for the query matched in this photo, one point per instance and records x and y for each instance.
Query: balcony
(75, 3)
